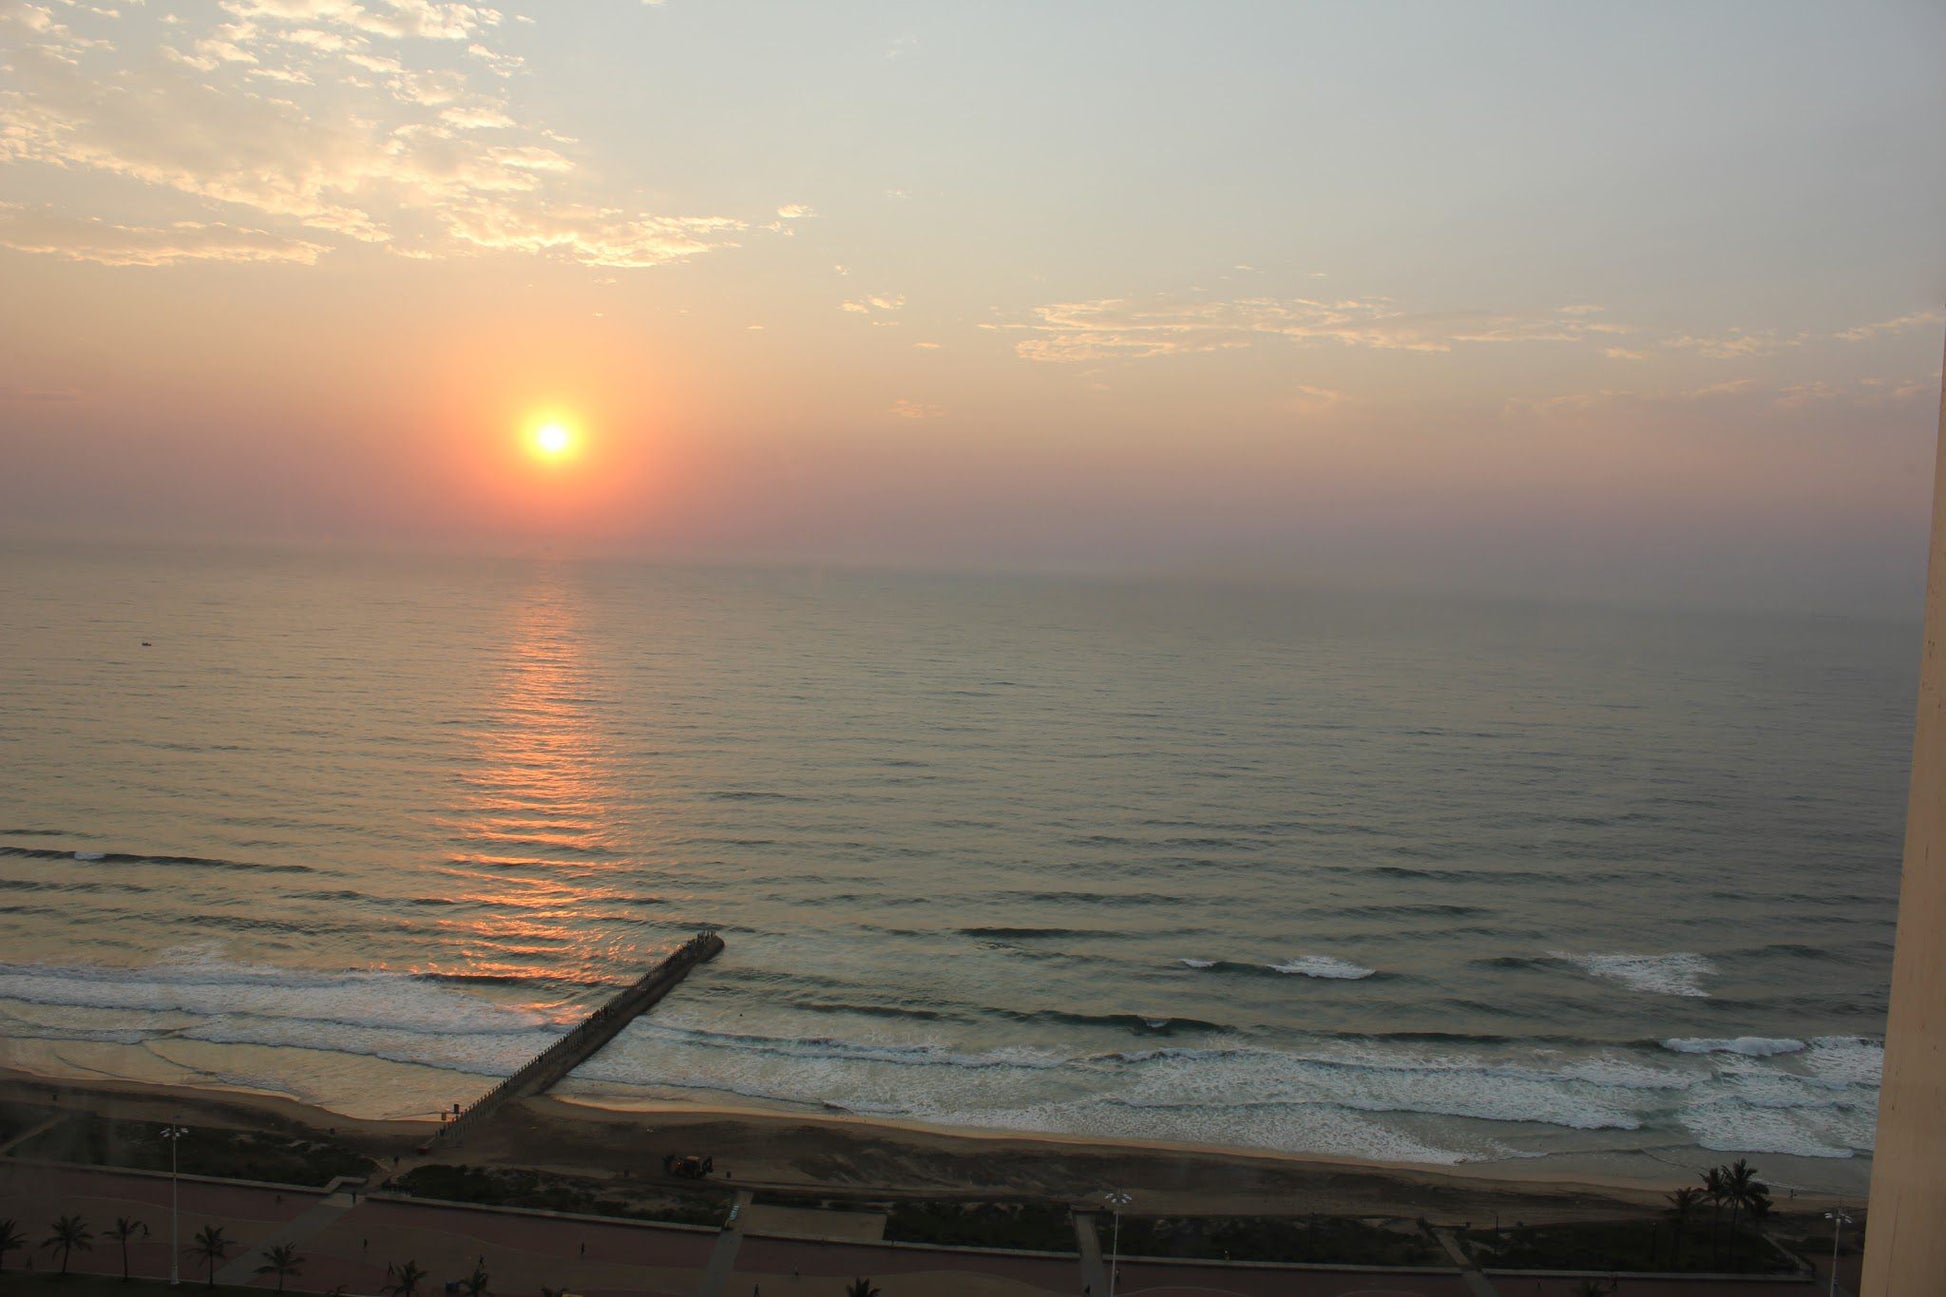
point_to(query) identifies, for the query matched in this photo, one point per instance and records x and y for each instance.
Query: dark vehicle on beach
(688, 1166)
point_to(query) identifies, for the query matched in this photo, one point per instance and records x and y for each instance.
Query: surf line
(552, 1064)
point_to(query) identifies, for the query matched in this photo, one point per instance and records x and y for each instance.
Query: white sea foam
(1291, 1128)
(1323, 966)
(1845, 1060)
(888, 1052)
(1200, 963)
(1748, 1046)
(1374, 1097)
(1370, 1098)
(1731, 1127)
(1380, 1078)
(493, 1054)
(1673, 974)
(1625, 1073)
(211, 988)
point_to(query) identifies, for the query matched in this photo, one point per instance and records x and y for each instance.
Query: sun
(552, 440)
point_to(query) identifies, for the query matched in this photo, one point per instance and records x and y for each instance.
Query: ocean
(1536, 888)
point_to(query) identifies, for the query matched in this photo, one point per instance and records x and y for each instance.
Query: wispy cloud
(1112, 328)
(1733, 344)
(1570, 403)
(1306, 399)
(873, 305)
(909, 409)
(10, 392)
(1862, 393)
(383, 121)
(786, 215)
(1189, 324)
(1912, 320)
(86, 239)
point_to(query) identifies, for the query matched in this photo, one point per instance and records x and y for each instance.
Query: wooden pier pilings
(597, 1029)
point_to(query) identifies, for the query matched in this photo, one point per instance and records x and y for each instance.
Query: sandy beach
(841, 1156)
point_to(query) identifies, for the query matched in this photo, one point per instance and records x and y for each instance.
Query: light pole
(1116, 1201)
(172, 1134)
(1838, 1221)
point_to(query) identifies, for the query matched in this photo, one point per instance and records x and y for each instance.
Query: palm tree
(70, 1232)
(403, 1280)
(1743, 1189)
(1758, 1202)
(124, 1230)
(475, 1284)
(211, 1246)
(1681, 1203)
(281, 1261)
(861, 1288)
(1716, 1190)
(10, 1240)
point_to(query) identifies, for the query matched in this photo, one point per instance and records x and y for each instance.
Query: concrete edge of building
(184, 1176)
(1627, 1276)
(507, 1209)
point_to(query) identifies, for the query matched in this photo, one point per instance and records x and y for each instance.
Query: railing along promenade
(589, 1035)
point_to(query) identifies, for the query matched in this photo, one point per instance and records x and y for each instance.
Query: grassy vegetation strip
(1630, 1247)
(550, 1191)
(1017, 1226)
(266, 1156)
(1313, 1240)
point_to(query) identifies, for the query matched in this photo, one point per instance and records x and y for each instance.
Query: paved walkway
(1094, 1279)
(243, 1268)
(723, 1260)
(1476, 1283)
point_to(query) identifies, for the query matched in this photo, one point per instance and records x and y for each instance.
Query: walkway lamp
(173, 1134)
(1838, 1221)
(1116, 1200)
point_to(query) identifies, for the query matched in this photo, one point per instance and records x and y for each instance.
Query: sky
(1631, 300)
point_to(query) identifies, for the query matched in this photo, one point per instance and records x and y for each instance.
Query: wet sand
(849, 1156)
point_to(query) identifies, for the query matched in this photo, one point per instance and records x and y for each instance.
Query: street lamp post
(1116, 1201)
(173, 1134)
(1838, 1221)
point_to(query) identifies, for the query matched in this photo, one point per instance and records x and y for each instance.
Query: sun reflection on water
(538, 873)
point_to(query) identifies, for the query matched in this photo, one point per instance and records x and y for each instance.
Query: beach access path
(351, 1243)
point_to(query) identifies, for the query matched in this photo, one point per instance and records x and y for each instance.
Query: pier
(589, 1035)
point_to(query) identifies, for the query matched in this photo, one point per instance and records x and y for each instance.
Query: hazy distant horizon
(1900, 601)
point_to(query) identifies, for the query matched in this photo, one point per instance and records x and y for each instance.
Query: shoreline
(849, 1156)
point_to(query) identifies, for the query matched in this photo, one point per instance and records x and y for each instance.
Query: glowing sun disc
(553, 440)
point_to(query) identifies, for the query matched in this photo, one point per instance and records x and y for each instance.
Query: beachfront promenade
(588, 1036)
(347, 1242)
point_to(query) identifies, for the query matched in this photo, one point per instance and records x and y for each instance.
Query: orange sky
(1615, 303)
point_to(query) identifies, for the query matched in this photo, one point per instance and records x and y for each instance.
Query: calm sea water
(1403, 880)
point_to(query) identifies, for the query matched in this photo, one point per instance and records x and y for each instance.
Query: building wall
(1905, 1252)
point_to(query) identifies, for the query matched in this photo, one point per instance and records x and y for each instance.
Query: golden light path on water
(538, 865)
